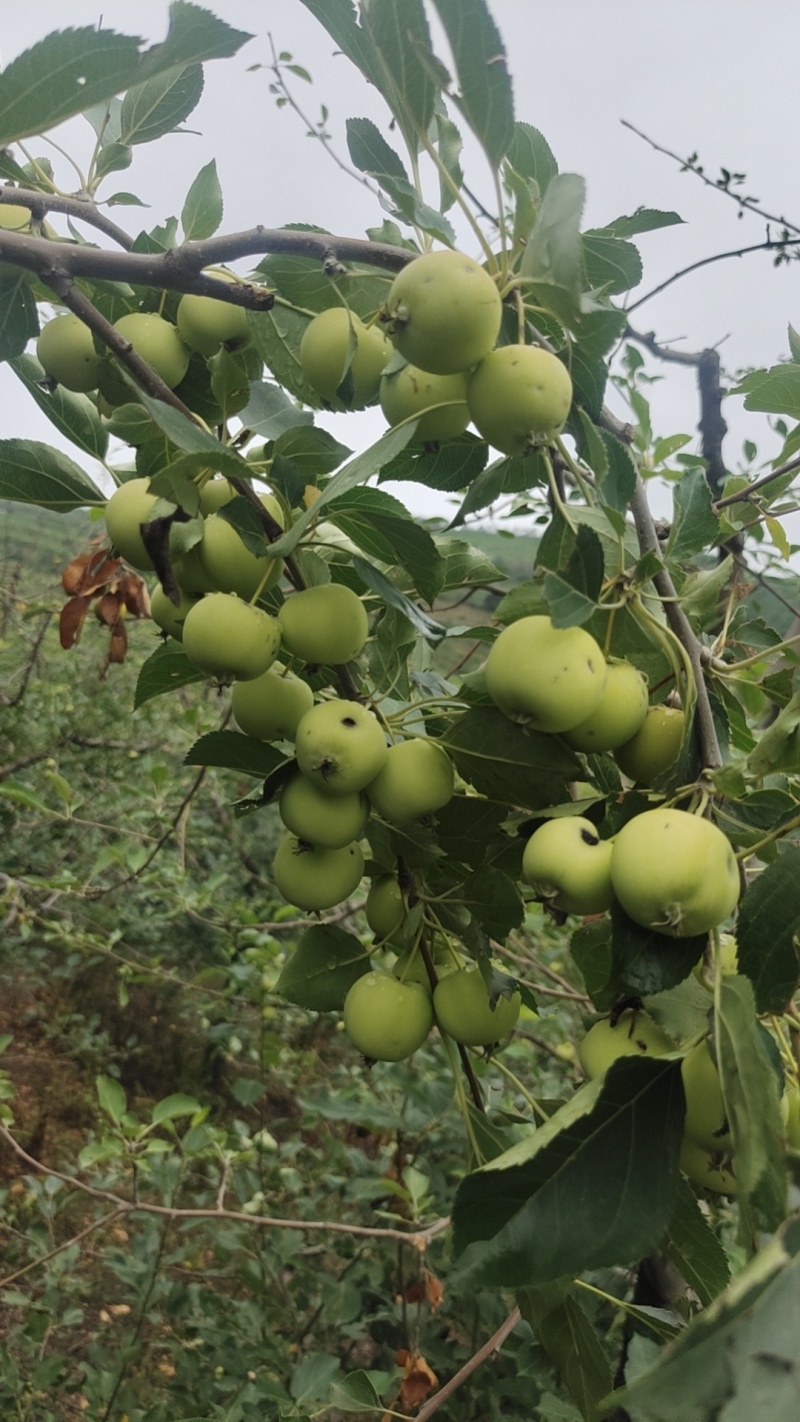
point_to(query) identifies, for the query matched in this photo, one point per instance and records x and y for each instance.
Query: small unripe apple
(158, 342)
(229, 639)
(66, 350)
(443, 312)
(463, 1010)
(331, 821)
(129, 507)
(518, 395)
(549, 678)
(313, 878)
(324, 352)
(228, 562)
(632, 1034)
(385, 906)
(340, 746)
(706, 1122)
(674, 872)
(214, 494)
(170, 616)
(325, 625)
(569, 866)
(654, 747)
(206, 323)
(271, 706)
(15, 218)
(411, 391)
(385, 1019)
(618, 714)
(416, 779)
(711, 1170)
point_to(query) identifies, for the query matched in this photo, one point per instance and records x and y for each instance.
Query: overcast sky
(713, 76)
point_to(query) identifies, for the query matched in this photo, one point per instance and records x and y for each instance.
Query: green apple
(313, 878)
(711, 1170)
(674, 872)
(569, 866)
(129, 507)
(443, 312)
(385, 906)
(66, 350)
(206, 323)
(325, 625)
(632, 1034)
(411, 391)
(229, 639)
(325, 357)
(518, 396)
(706, 1122)
(416, 779)
(14, 218)
(654, 747)
(549, 678)
(271, 706)
(331, 821)
(790, 1113)
(215, 493)
(340, 746)
(463, 1010)
(228, 562)
(385, 1019)
(617, 716)
(167, 615)
(158, 342)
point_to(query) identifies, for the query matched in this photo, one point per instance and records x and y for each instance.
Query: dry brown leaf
(419, 1380)
(71, 620)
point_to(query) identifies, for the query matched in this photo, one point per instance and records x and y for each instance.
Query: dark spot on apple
(589, 838)
(348, 721)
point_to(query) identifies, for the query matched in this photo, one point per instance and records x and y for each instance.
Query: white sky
(716, 76)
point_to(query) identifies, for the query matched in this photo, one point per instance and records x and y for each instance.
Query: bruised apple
(386, 1019)
(312, 877)
(549, 678)
(568, 866)
(674, 872)
(443, 312)
(340, 746)
(632, 1034)
(229, 639)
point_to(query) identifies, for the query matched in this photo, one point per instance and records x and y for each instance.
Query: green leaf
(269, 412)
(775, 391)
(401, 38)
(172, 1107)
(231, 750)
(530, 154)
(750, 1090)
(166, 670)
(695, 527)
(568, 606)
(644, 219)
(19, 321)
(554, 254)
(70, 70)
(371, 154)
(452, 467)
(190, 437)
(111, 1097)
(322, 969)
(377, 582)
(508, 763)
(645, 962)
(356, 472)
(354, 1394)
(383, 529)
(34, 473)
(612, 265)
(74, 416)
(692, 1246)
(493, 898)
(485, 97)
(202, 210)
(563, 1330)
(114, 158)
(156, 107)
(768, 930)
(339, 18)
(778, 745)
(592, 1188)
(277, 335)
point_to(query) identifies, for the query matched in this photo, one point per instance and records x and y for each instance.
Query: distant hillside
(29, 535)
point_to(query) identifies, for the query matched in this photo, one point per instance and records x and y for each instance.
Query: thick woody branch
(83, 209)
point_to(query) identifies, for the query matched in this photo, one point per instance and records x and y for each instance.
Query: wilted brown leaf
(71, 620)
(119, 643)
(134, 593)
(89, 572)
(419, 1380)
(107, 608)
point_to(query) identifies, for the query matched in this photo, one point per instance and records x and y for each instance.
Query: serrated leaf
(34, 473)
(401, 38)
(775, 391)
(111, 1097)
(339, 18)
(322, 969)
(564, 1331)
(695, 526)
(751, 1104)
(172, 1107)
(644, 962)
(554, 252)
(74, 416)
(508, 763)
(377, 582)
(452, 467)
(485, 97)
(269, 412)
(612, 265)
(166, 670)
(692, 1246)
(592, 1188)
(202, 210)
(355, 1393)
(530, 154)
(231, 750)
(156, 107)
(382, 528)
(644, 219)
(768, 929)
(19, 321)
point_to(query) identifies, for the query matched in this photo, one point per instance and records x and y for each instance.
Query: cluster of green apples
(441, 365)
(67, 351)
(673, 872)
(707, 1150)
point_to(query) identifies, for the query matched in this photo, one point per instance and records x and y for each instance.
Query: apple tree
(608, 746)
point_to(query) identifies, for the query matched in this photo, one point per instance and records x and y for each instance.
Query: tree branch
(493, 1345)
(768, 246)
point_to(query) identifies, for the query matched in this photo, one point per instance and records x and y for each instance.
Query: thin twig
(493, 1345)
